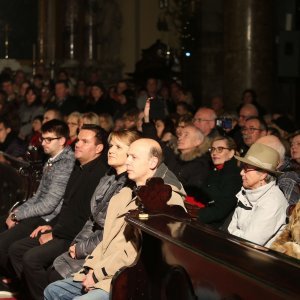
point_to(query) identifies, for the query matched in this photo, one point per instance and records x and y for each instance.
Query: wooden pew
(18, 181)
(182, 259)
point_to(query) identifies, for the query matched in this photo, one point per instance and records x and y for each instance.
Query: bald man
(205, 120)
(289, 181)
(119, 247)
(247, 111)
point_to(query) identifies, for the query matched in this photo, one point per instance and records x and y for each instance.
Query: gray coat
(47, 200)
(92, 232)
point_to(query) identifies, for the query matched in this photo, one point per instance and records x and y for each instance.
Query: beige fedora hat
(262, 157)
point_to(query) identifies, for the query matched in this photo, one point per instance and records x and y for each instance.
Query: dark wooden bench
(181, 259)
(18, 181)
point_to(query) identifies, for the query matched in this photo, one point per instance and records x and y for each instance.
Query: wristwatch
(13, 217)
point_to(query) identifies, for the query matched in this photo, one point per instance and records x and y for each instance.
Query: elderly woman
(73, 122)
(261, 208)
(222, 183)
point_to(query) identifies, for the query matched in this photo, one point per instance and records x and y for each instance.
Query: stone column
(51, 31)
(248, 50)
(89, 49)
(71, 27)
(42, 32)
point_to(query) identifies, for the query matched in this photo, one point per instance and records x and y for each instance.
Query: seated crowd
(106, 152)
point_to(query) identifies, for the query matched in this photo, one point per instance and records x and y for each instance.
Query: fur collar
(197, 152)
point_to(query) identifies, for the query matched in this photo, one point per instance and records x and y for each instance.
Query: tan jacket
(119, 248)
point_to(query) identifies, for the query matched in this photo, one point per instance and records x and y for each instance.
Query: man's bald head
(144, 157)
(275, 143)
(247, 111)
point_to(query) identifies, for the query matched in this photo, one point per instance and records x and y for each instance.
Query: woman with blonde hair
(89, 118)
(73, 122)
(91, 234)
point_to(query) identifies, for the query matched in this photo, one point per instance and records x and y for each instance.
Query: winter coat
(259, 214)
(47, 200)
(92, 232)
(191, 168)
(218, 192)
(121, 242)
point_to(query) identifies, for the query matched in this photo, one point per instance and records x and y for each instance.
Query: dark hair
(251, 92)
(157, 152)
(230, 143)
(39, 117)
(262, 123)
(100, 133)
(6, 122)
(35, 92)
(58, 127)
(64, 82)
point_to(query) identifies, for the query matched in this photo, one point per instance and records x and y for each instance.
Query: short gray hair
(270, 178)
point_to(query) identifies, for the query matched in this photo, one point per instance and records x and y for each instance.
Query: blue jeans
(68, 289)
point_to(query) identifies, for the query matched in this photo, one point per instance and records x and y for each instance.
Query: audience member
(98, 102)
(10, 144)
(217, 104)
(245, 112)
(28, 110)
(289, 180)
(31, 256)
(63, 101)
(46, 203)
(106, 122)
(221, 184)
(73, 122)
(120, 244)
(51, 114)
(89, 118)
(189, 160)
(36, 133)
(92, 232)
(261, 208)
(253, 129)
(205, 120)
(284, 125)
(249, 96)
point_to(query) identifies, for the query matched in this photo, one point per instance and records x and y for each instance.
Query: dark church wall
(22, 19)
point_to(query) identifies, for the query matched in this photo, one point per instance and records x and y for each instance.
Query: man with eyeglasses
(46, 203)
(31, 256)
(253, 129)
(246, 111)
(205, 120)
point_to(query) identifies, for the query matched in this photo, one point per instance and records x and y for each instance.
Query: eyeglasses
(217, 149)
(48, 140)
(203, 120)
(247, 168)
(250, 129)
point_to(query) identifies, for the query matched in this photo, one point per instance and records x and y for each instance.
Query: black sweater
(76, 205)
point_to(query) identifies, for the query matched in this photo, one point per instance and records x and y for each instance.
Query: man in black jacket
(32, 256)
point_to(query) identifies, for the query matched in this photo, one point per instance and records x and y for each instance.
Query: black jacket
(218, 192)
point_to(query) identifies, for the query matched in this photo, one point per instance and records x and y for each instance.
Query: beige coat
(120, 245)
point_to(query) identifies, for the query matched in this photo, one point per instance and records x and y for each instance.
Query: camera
(225, 123)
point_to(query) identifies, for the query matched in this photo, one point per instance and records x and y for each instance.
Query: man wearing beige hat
(261, 208)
